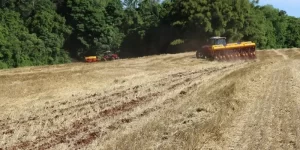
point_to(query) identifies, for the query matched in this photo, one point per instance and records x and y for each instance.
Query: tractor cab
(108, 53)
(217, 41)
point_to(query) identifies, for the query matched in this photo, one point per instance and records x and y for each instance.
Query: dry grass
(167, 101)
(198, 117)
(292, 53)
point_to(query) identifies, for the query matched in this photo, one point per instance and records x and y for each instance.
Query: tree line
(39, 32)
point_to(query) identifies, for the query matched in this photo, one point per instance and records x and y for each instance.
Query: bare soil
(172, 101)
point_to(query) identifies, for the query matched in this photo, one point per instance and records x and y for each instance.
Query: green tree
(95, 26)
(293, 32)
(17, 46)
(51, 28)
(142, 26)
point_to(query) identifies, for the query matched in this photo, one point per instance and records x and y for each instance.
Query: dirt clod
(183, 92)
(201, 109)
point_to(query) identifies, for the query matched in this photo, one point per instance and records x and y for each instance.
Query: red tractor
(108, 55)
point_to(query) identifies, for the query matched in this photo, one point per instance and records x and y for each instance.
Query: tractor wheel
(199, 54)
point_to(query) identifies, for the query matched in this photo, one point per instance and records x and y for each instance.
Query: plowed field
(158, 102)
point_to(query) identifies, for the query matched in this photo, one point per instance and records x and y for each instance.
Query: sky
(292, 7)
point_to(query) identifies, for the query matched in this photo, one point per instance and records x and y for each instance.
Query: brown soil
(156, 102)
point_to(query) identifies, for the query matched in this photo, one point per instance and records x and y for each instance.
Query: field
(172, 101)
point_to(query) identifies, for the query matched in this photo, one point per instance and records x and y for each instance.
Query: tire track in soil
(178, 125)
(264, 55)
(242, 128)
(124, 120)
(297, 50)
(60, 136)
(251, 118)
(284, 56)
(170, 102)
(109, 99)
(296, 111)
(286, 128)
(262, 129)
(269, 122)
(274, 128)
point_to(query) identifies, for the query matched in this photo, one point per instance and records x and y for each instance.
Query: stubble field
(157, 102)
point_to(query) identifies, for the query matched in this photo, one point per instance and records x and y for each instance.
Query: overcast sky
(292, 7)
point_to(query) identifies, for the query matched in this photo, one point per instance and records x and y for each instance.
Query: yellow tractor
(91, 59)
(218, 49)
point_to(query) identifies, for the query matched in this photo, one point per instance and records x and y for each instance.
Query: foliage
(95, 26)
(36, 34)
(177, 41)
(17, 46)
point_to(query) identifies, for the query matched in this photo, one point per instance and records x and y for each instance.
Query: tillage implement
(218, 49)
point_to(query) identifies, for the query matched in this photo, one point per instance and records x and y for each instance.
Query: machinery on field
(218, 49)
(91, 59)
(108, 55)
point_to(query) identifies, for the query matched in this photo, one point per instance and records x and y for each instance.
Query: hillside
(172, 101)
(48, 32)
